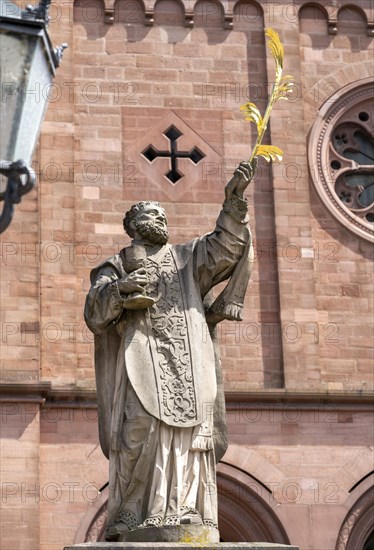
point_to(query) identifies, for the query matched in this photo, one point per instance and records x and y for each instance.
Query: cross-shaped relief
(172, 133)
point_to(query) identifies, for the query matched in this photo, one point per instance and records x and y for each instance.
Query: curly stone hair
(133, 212)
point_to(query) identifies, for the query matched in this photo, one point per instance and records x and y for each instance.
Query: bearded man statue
(159, 385)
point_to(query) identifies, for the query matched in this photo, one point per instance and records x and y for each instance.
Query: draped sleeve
(216, 254)
(103, 310)
(104, 303)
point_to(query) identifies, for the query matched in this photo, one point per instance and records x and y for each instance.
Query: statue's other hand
(241, 179)
(133, 282)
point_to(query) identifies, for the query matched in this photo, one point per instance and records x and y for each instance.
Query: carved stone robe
(157, 380)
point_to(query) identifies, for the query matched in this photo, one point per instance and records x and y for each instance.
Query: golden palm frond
(252, 114)
(282, 86)
(269, 152)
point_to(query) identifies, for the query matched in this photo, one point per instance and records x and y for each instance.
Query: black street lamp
(28, 63)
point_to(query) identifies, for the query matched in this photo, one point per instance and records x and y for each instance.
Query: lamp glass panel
(25, 83)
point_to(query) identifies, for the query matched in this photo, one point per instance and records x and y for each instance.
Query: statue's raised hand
(241, 179)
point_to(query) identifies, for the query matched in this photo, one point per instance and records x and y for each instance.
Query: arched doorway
(357, 530)
(245, 513)
(369, 544)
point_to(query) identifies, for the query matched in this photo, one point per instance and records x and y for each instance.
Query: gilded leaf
(284, 90)
(252, 114)
(269, 152)
(276, 48)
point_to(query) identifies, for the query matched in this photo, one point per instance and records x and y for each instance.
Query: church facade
(146, 105)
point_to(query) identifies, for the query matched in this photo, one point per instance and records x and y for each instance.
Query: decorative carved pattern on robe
(173, 368)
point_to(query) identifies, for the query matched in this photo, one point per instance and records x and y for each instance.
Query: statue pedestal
(193, 534)
(180, 546)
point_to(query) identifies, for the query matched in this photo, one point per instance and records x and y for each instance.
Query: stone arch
(92, 526)
(208, 13)
(354, 470)
(129, 12)
(358, 524)
(330, 88)
(352, 20)
(248, 14)
(313, 19)
(91, 15)
(352, 24)
(362, 22)
(244, 510)
(88, 11)
(254, 464)
(169, 12)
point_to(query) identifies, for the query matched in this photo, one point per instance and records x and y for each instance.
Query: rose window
(341, 157)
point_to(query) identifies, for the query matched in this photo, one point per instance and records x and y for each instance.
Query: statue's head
(147, 220)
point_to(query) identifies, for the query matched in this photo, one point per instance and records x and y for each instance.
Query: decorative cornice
(305, 399)
(75, 397)
(72, 397)
(47, 395)
(228, 13)
(35, 392)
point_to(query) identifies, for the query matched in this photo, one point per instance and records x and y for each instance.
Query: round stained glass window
(341, 156)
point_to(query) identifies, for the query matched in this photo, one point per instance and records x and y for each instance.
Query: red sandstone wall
(19, 475)
(343, 268)
(115, 83)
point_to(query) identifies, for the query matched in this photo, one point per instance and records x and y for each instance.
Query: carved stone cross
(173, 175)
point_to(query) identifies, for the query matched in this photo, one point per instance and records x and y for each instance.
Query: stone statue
(160, 397)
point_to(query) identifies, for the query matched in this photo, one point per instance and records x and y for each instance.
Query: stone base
(180, 546)
(172, 533)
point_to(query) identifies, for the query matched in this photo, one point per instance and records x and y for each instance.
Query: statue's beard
(152, 232)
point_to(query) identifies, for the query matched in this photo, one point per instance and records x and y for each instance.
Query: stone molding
(26, 392)
(44, 393)
(305, 399)
(354, 475)
(62, 397)
(228, 10)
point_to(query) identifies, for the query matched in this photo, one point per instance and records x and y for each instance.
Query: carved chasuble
(168, 382)
(170, 347)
